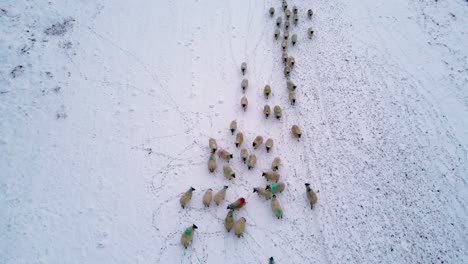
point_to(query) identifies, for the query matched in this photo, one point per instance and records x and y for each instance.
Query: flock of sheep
(270, 191)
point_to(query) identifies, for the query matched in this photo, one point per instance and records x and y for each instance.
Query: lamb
(296, 131)
(244, 85)
(284, 57)
(219, 196)
(278, 111)
(243, 68)
(239, 139)
(276, 163)
(284, 45)
(252, 161)
(294, 39)
(224, 154)
(238, 204)
(244, 154)
(292, 97)
(310, 31)
(211, 163)
(294, 9)
(228, 172)
(186, 197)
(187, 235)
(207, 197)
(267, 91)
(271, 176)
(311, 196)
(276, 187)
(257, 142)
(269, 145)
(295, 19)
(244, 103)
(262, 192)
(239, 227)
(266, 110)
(272, 11)
(291, 62)
(279, 20)
(310, 13)
(277, 33)
(291, 85)
(233, 126)
(276, 207)
(229, 221)
(213, 145)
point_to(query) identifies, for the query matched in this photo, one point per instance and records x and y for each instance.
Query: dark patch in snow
(17, 71)
(60, 28)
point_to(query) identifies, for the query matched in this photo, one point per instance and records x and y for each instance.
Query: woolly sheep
(311, 196)
(284, 45)
(276, 163)
(285, 5)
(271, 261)
(277, 33)
(186, 197)
(244, 154)
(238, 204)
(295, 19)
(269, 144)
(224, 154)
(239, 139)
(279, 20)
(294, 9)
(243, 68)
(294, 39)
(287, 71)
(213, 145)
(229, 221)
(252, 161)
(310, 13)
(310, 32)
(211, 163)
(276, 187)
(276, 207)
(233, 126)
(228, 172)
(291, 62)
(284, 57)
(244, 103)
(296, 131)
(271, 176)
(278, 111)
(244, 84)
(292, 97)
(288, 13)
(267, 91)
(286, 24)
(207, 197)
(286, 34)
(239, 227)
(187, 235)
(262, 192)
(266, 111)
(257, 142)
(219, 196)
(291, 85)
(272, 11)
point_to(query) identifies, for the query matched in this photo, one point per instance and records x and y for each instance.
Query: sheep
(271, 261)
(211, 163)
(294, 39)
(294, 9)
(239, 139)
(228, 172)
(244, 84)
(267, 91)
(276, 207)
(213, 145)
(271, 176)
(296, 131)
(291, 62)
(229, 221)
(311, 196)
(239, 227)
(285, 5)
(238, 204)
(286, 34)
(292, 97)
(284, 57)
(291, 85)
(310, 13)
(295, 19)
(257, 142)
(219, 196)
(276, 187)
(272, 11)
(286, 25)
(277, 33)
(224, 154)
(310, 31)
(284, 45)
(287, 71)
(187, 235)
(278, 111)
(288, 13)
(207, 197)
(186, 197)
(266, 110)
(252, 161)
(244, 102)
(276, 163)
(243, 68)
(269, 145)
(262, 192)
(233, 126)
(244, 154)
(279, 20)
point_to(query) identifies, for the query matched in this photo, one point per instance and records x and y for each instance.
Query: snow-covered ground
(106, 108)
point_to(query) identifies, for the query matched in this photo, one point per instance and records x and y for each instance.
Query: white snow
(106, 108)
